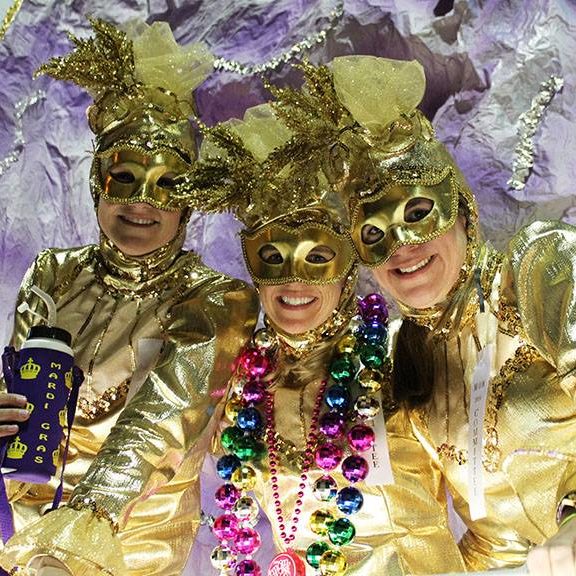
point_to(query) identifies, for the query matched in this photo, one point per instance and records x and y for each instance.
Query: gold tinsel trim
(8, 20)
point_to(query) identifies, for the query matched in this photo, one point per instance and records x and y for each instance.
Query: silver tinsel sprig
(19, 140)
(296, 51)
(528, 125)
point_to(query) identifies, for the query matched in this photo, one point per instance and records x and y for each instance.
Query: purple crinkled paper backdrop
(484, 62)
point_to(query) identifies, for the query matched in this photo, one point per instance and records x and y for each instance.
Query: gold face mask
(310, 253)
(130, 176)
(404, 213)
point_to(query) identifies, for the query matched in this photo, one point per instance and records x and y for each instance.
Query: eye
(270, 254)
(371, 234)
(167, 181)
(122, 175)
(417, 209)
(320, 255)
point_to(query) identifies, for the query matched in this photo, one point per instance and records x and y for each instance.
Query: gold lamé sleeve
(418, 505)
(160, 425)
(542, 257)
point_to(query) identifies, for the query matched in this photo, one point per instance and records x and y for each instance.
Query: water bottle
(43, 371)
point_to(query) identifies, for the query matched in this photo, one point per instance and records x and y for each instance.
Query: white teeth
(294, 301)
(138, 220)
(420, 264)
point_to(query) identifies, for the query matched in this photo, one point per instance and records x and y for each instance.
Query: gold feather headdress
(141, 82)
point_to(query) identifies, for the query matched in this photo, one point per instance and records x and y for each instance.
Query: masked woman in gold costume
(484, 361)
(154, 330)
(346, 490)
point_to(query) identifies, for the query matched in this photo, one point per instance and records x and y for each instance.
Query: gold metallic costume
(529, 455)
(518, 305)
(155, 336)
(402, 528)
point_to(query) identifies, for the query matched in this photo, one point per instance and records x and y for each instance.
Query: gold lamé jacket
(529, 454)
(401, 528)
(155, 339)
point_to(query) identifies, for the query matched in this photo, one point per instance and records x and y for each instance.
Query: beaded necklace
(349, 398)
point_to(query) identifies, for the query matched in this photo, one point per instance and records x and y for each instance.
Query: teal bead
(230, 436)
(341, 532)
(372, 356)
(314, 553)
(342, 369)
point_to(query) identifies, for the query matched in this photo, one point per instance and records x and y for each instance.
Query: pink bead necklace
(273, 449)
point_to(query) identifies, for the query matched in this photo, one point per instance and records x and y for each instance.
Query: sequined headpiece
(277, 188)
(380, 151)
(142, 82)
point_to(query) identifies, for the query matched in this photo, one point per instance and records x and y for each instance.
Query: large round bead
(320, 520)
(373, 334)
(263, 338)
(369, 379)
(230, 436)
(233, 406)
(349, 500)
(342, 369)
(372, 356)
(254, 363)
(325, 488)
(226, 527)
(222, 558)
(346, 344)
(249, 419)
(337, 397)
(314, 552)
(341, 532)
(247, 540)
(254, 392)
(226, 465)
(366, 407)
(226, 496)
(244, 477)
(246, 509)
(373, 307)
(248, 448)
(361, 437)
(328, 456)
(355, 468)
(247, 568)
(332, 425)
(333, 563)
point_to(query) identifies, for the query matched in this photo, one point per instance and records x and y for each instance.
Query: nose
(398, 233)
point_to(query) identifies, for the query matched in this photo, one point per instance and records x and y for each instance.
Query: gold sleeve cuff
(543, 261)
(65, 534)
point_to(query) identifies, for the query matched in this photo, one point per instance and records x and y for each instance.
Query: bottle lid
(51, 332)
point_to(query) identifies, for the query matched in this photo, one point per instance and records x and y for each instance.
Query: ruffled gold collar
(142, 276)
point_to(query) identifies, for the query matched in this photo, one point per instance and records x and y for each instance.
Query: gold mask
(312, 253)
(128, 176)
(386, 211)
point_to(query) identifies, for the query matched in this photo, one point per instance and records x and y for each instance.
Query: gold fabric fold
(155, 357)
(530, 423)
(83, 542)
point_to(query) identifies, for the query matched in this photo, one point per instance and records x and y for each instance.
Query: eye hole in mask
(320, 254)
(124, 175)
(416, 209)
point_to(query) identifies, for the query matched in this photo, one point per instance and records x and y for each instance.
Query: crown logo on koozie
(16, 449)
(30, 370)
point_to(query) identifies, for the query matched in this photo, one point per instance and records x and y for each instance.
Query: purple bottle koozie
(43, 372)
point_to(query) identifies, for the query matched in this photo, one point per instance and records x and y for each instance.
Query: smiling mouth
(296, 301)
(137, 221)
(418, 266)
